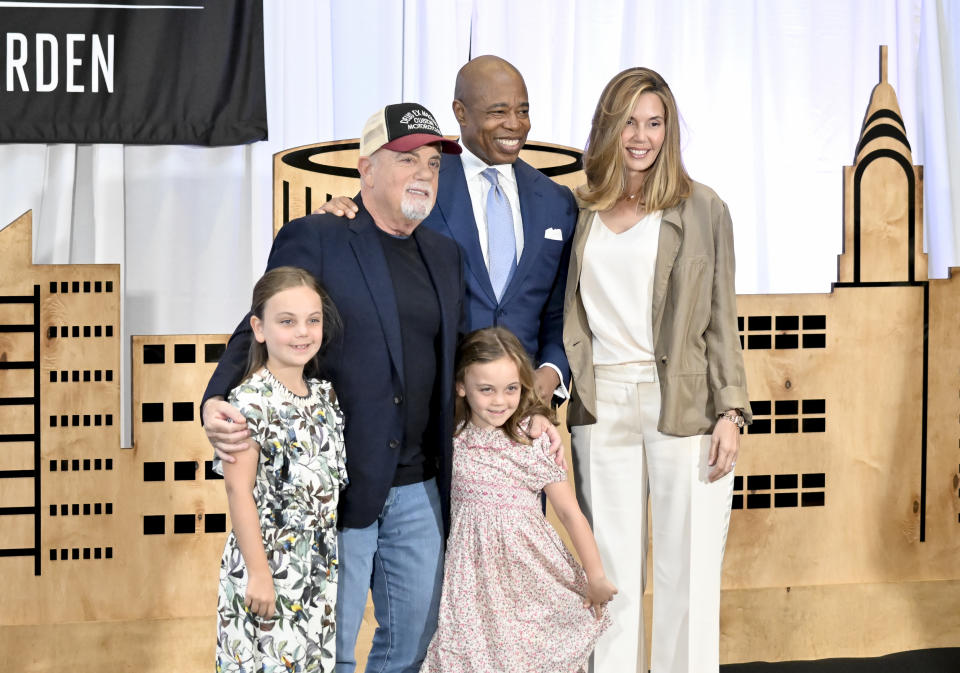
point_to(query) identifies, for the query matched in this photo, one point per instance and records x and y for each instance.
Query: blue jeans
(399, 557)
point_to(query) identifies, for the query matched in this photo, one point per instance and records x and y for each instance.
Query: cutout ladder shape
(30, 404)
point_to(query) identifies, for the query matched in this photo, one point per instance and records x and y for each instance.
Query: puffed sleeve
(540, 466)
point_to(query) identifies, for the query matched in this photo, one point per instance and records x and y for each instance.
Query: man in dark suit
(399, 290)
(492, 109)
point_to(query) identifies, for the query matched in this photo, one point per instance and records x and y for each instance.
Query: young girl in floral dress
(278, 574)
(513, 599)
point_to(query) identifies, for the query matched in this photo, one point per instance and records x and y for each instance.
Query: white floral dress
(301, 470)
(512, 599)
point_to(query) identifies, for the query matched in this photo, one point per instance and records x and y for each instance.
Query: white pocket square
(553, 234)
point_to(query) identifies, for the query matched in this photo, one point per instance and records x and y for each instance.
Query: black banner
(132, 71)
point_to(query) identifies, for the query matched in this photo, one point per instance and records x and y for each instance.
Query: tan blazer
(695, 338)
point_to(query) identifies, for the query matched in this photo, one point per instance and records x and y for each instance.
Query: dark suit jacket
(365, 364)
(532, 304)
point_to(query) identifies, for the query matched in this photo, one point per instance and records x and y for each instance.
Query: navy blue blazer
(532, 304)
(365, 364)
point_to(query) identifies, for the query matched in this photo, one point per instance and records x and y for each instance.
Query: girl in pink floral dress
(514, 599)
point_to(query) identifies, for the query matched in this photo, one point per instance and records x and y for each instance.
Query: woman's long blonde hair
(667, 182)
(490, 344)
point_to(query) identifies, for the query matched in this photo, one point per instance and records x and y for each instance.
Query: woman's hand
(724, 448)
(600, 591)
(260, 597)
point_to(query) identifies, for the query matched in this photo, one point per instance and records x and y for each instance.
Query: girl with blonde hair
(514, 599)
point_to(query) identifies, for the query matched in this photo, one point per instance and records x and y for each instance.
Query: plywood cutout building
(848, 533)
(846, 530)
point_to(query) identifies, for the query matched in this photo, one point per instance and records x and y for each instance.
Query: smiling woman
(641, 139)
(659, 390)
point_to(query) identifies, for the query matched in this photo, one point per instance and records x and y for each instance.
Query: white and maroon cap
(402, 127)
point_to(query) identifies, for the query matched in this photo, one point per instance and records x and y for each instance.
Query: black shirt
(419, 313)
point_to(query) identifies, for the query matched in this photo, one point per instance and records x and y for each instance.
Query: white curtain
(772, 95)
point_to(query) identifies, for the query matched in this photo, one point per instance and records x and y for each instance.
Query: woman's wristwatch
(734, 416)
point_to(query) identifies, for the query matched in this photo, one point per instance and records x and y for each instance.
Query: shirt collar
(473, 166)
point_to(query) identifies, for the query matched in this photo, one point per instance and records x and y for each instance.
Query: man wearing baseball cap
(514, 225)
(399, 289)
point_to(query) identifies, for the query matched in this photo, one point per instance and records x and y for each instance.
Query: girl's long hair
(280, 279)
(667, 182)
(487, 345)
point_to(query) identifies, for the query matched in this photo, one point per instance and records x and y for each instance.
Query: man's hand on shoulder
(341, 206)
(226, 428)
(540, 424)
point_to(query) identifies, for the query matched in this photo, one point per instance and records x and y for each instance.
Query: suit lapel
(373, 264)
(668, 246)
(533, 228)
(580, 235)
(455, 206)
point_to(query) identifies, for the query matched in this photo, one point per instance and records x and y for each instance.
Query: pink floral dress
(512, 593)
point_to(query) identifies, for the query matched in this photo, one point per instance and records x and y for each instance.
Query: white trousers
(617, 461)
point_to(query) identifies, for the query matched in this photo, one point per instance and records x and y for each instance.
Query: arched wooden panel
(306, 177)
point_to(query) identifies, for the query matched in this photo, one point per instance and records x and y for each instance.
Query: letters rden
(47, 65)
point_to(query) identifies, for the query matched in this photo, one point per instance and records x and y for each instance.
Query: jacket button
(394, 443)
(663, 359)
(398, 399)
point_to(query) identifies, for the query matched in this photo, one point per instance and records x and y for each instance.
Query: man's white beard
(416, 209)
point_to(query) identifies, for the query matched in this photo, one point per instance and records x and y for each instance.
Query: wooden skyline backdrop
(846, 531)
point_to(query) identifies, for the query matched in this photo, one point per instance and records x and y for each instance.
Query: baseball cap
(402, 127)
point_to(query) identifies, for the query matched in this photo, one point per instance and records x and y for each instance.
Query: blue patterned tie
(501, 240)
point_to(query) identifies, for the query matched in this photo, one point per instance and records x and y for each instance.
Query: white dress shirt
(478, 187)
